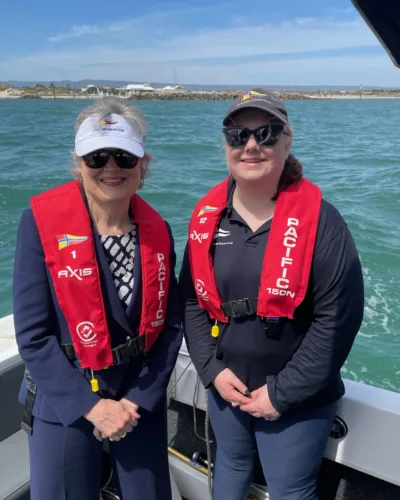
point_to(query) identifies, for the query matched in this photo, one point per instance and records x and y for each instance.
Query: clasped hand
(256, 404)
(113, 419)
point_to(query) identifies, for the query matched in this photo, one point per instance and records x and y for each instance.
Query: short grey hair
(105, 106)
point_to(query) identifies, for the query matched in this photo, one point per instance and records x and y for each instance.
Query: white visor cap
(113, 131)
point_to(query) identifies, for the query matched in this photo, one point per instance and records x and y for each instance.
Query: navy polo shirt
(301, 359)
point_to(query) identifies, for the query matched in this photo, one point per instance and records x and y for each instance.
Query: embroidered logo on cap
(110, 125)
(251, 94)
(103, 123)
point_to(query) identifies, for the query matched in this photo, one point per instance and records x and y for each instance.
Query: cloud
(85, 30)
(377, 71)
(144, 25)
(288, 37)
(304, 20)
(77, 31)
(150, 39)
(114, 65)
(148, 48)
(246, 42)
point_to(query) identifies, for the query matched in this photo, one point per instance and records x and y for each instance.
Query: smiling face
(110, 183)
(254, 162)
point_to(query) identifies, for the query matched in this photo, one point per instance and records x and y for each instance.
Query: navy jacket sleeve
(197, 326)
(338, 297)
(149, 388)
(65, 388)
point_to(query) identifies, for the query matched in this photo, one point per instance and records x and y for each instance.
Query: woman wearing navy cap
(97, 318)
(272, 297)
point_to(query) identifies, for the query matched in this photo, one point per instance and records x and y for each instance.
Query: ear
(79, 163)
(288, 143)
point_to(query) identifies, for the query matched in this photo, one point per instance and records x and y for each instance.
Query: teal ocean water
(349, 147)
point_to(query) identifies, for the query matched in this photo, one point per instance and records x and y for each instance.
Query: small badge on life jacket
(215, 330)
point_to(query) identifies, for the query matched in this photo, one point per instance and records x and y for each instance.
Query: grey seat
(14, 456)
(14, 467)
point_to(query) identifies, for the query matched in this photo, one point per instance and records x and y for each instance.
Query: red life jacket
(66, 234)
(288, 256)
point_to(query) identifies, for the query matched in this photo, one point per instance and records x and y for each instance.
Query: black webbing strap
(27, 417)
(240, 307)
(248, 307)
(121, 353)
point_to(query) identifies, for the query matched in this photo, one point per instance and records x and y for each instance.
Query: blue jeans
(290, 450)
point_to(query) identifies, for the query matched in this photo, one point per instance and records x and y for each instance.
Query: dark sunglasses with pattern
(99, 159)
(266, 135)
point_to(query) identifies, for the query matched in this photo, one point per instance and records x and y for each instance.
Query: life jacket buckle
(240, 307)
(117, 356)
(122, 353)
(127, 351)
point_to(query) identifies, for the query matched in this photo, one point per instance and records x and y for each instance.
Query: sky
(214, 42)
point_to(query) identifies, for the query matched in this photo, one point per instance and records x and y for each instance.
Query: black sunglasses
(266, 135)
(99, 158)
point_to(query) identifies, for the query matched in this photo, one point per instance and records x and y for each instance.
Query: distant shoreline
(14, 93)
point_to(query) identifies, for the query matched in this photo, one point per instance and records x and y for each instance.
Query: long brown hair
(292, 173)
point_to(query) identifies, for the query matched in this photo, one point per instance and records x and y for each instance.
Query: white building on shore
(139, 87)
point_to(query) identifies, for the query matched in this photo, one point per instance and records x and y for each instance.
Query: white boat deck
(8, 347)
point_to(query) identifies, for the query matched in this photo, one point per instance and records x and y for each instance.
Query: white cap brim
(91, 144)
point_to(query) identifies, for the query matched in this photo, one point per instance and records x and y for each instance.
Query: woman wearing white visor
(97, 319)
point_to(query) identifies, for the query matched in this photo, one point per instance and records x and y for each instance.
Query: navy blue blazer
(63, 390)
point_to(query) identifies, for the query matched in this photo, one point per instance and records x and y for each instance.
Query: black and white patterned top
(120, 253)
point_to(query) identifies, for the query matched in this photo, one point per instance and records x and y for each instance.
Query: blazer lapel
(110, 293)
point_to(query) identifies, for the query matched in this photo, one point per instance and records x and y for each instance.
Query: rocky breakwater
(29, 96)
(219, 95)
